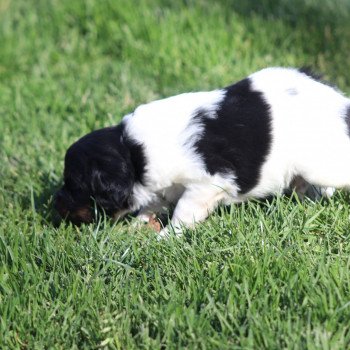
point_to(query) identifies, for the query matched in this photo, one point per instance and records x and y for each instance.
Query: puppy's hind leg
(305, 189)
(196, 203)
(333, 173)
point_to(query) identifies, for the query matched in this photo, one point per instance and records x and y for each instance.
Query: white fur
(164, 127)
(309, 134)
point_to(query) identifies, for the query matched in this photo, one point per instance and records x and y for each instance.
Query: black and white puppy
(276, 128)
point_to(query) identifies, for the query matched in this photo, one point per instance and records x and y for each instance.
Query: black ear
(112, 184)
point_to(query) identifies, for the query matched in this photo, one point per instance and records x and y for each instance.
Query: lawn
(263, 275)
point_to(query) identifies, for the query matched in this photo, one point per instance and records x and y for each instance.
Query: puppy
(277, 128)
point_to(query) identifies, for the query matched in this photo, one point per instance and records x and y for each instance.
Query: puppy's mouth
(85, 213)
(82, 215)
(69, 210)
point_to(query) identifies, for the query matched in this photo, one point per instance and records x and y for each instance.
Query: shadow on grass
(43, 200)
(320, 28)
(301, 12)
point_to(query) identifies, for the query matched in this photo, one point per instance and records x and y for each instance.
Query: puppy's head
(98, 174)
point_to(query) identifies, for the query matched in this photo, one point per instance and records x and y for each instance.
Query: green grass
(267, 275)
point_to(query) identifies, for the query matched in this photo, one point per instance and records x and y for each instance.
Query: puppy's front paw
(163, 234)
(148, 219)
(167, 232)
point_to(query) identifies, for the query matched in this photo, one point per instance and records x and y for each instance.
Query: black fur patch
(238, 139)
(347, 119)
(137, 157)
(310, 73)
(316, 76)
